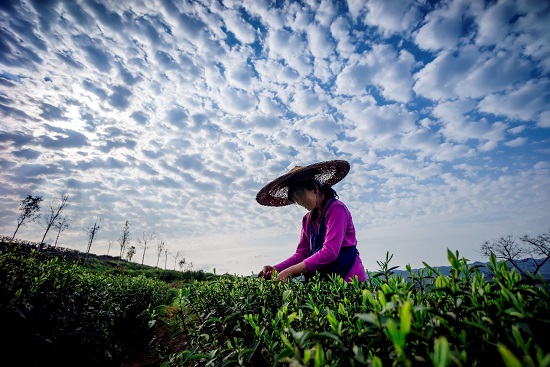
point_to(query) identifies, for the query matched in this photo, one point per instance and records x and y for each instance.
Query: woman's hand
(294, 271)
(266, 272)
(283, 276)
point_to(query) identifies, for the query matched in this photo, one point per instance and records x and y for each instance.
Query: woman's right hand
(266, 272)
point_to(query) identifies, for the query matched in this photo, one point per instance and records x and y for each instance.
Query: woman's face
(306, 198)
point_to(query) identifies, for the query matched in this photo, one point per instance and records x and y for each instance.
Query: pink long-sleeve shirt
(340, 233)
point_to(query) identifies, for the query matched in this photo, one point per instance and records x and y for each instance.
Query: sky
(172, 115)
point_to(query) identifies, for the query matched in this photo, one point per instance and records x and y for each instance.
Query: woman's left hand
(295, 270)
(283, 276)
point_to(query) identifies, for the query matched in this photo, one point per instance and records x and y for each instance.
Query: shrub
(423, 319)
(58, 313)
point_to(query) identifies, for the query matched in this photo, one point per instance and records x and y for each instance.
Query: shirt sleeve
(302, 251)
(336, 219)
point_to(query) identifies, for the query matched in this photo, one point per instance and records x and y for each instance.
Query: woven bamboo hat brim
(328, 173)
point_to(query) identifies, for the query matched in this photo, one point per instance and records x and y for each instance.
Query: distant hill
(527, 265)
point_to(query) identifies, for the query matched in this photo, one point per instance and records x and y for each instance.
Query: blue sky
(173, 114)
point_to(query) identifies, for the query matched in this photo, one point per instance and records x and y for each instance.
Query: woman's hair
(311, 184)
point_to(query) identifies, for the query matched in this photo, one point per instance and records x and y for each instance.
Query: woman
(327, 242)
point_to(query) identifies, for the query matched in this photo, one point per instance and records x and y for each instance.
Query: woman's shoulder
(338, 206)
(338, 202)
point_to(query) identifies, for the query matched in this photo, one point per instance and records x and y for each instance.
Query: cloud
(291, 49)
(457, 125)
(237, 101)
(439, 78)
(517, 142)
(242, 30)
(119, 98)
(320, 41)
(382, 67)
(307, 102)
(393, 16)
(401, 165)
(523, 103)
(320, 127)
(89, 85)
(340, 30)
(177, 116)
(494, 20)
(140, 117)
(27, 153)
(62, 138)
(381, 127)
(442, 27)
(95, 55)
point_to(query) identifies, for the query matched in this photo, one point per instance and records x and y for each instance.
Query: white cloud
(307, 102)
(442, 28)
(493, 75)
(438, 79)
(291, 49)
(382, 67)
(321, 127)
(523, 103)
(239, 74)
(321, 45)
(517, 142)
(494, 21)
(544, 119)
(325, 12)
(392, 16)
(243, 30)
(401, 165)
(340, 31)
(381, 127)
(458, 127)
(237, 101)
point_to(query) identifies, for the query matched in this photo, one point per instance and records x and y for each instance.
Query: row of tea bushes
(56, 313)
(426, 319)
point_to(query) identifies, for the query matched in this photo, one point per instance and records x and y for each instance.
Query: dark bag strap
(317, 239)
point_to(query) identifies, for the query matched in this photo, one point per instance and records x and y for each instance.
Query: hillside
(103, 263)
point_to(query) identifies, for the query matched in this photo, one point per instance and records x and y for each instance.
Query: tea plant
(53, 312)
(463, 319)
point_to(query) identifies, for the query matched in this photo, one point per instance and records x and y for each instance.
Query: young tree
(125, 238)
(29, 208)
(91, 232)
(165, 257)
(182, 263)
(144, 242)
(176, 257)
(60, 225)
(185, 266)
(53, 215)
(131, 252)
(160, 249)
(508, 249)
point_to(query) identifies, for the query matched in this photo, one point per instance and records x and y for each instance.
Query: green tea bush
(426, 319)
(52, 312)
(167, 276)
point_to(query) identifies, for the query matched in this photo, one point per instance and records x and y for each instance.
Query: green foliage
(103, 311)
(53, 312)
(429, 319)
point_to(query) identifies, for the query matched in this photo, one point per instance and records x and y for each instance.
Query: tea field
(62, 313)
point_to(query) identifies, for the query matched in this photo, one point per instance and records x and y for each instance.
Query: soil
(163, 340)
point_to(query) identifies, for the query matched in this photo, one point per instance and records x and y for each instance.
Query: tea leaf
(508, 357)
